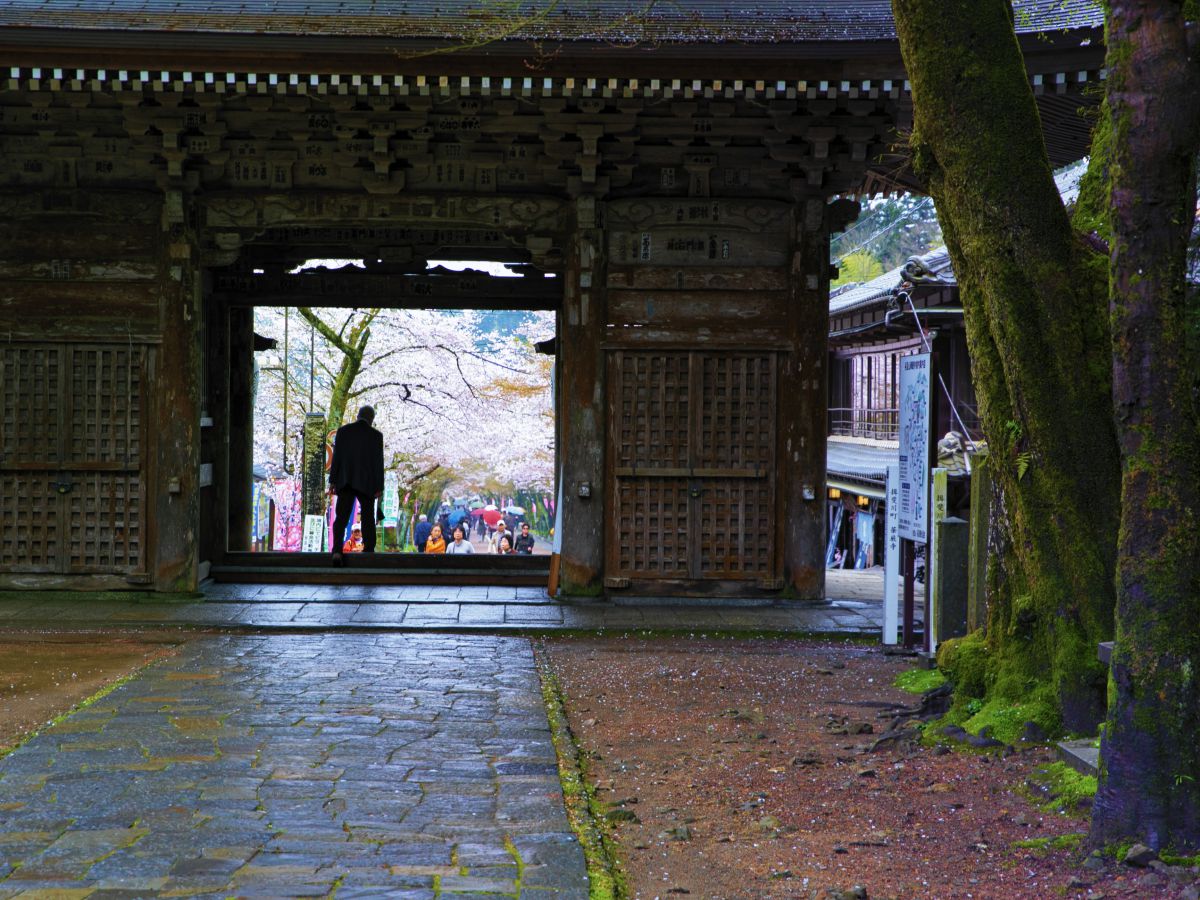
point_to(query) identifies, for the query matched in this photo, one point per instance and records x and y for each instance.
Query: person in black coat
(356, 474)
(421, 532)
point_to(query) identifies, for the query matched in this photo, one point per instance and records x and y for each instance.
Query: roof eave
(179, 49)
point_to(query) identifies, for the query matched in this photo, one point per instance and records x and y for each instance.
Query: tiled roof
(864, 294)
(620, 21)
(859, 458)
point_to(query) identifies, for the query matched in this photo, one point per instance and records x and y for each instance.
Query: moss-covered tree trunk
(352, 343)
(1150, 755)
(1034, 295)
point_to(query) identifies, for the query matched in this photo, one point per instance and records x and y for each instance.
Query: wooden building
(914, 308)
(165, 164)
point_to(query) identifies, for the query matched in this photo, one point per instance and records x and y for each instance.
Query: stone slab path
(855, 607)
(402, 766)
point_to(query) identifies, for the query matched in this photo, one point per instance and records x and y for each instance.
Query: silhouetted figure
(356, 474)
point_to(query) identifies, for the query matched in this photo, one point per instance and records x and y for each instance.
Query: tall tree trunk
(352, 343)
(1035, 301)
(1150, 777)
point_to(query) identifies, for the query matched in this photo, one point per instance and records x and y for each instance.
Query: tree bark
(1150, 753)
(352, 346)
(1034, 297)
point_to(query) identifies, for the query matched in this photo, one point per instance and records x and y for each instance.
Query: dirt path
(43, 675)
(739, 769)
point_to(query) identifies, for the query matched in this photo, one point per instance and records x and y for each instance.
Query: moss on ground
(918, 681)
(606, 880)
(1172, 860)
(982, 700)
(1070, 841)
(1062, 788)
(964, 661)
(82, 704)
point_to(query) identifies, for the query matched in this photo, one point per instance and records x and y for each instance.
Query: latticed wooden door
(71, 476)
(693, 441)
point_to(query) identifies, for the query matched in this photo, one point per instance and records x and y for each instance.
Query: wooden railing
(879, 424)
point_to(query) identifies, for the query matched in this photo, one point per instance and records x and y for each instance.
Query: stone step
(1082, 755)
(358, 574)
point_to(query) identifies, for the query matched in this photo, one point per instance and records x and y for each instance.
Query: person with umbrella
(477, 521)
(501, 534)
(456, 517)
(491, 516)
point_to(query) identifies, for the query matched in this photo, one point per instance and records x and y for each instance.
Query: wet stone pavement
(400, 766)
(855, 607)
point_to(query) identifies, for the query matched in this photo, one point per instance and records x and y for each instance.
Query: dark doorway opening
(454, 359)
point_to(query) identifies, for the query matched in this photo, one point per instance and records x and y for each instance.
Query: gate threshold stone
(288, 765)
(309, 611)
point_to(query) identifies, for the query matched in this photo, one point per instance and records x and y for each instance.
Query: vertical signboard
(314, 534)
(915, 411)
(891, 557)
(391, 495)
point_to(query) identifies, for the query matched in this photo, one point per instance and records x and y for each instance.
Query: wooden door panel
(30, 405)
(71, 477)
(653, 410)
(654, 517)
(735, 534)
(693, 439)
(29, 508)
(104, 523)
(737, 417)
(103, 424)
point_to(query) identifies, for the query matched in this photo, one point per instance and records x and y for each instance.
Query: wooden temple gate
(157, 184)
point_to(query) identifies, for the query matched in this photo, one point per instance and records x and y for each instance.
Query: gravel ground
(742, 769)
(43, 674)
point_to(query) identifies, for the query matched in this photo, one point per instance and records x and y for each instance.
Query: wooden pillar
(214, 433)
(240, 478)
(581, 406)
(176, 406)
(802, 406)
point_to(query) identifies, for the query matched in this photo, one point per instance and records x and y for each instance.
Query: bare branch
(326, 331)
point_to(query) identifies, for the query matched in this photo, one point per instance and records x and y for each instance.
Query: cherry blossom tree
(451, 398)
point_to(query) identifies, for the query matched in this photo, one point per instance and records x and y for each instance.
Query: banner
(915, 409)
(288, 520)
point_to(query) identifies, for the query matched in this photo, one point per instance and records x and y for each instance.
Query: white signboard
(891, 557)
(314, 534)
(391, 495)
(915, 397)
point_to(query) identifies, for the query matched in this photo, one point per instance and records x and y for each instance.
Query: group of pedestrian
(356, 476)
(429, 537)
